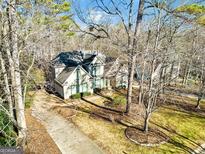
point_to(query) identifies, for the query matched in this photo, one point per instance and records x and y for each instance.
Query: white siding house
(76, 81)
(79, 72)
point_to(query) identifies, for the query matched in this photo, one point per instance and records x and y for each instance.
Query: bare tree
(3, 68)
(13, 57)
(131, 24)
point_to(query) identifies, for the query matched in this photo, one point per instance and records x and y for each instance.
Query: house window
(96, 70)
(97, 83)
(123, 82)
(84, 87)
(73, 89)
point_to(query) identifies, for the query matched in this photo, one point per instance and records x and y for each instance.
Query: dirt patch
(64, 111)
(152, 138)
(38, 139)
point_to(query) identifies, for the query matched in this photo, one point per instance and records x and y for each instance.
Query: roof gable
(96, 60)
(62, 77)
(67, 72)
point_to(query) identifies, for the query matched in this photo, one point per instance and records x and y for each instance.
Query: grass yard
(186, 131)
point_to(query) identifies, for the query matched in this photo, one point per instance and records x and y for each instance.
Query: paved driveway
(65, 134)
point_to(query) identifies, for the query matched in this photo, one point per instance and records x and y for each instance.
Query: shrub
(76, 96)
(8, 135)
(29, 100)
(119, 100)
(122, 87)
(86, 94)
(28, 103)
(97, 90)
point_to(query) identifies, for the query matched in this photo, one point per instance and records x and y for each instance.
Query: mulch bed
(152, 138)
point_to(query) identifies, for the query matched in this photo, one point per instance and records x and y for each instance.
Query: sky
(90, 11)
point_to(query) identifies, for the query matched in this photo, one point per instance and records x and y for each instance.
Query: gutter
(58, 83)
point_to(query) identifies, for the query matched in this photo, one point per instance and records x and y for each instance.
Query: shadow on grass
(100, 94)
(103, 107)
(181, 146)
(120, 91)
(178, 144)
(103, 114)
(195, 114)
(185, 107)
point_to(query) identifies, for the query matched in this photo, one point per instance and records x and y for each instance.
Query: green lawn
(186, 130)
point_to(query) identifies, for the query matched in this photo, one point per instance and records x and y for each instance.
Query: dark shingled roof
(73, 58)
(88, 60)
(70, 60)
(67, 59)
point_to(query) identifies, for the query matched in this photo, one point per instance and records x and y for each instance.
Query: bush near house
(79, 95)
(122, 87)
(97, 90)
(75, 96)
(86, 94)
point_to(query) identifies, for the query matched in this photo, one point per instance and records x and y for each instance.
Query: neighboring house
(116, 71)
(79, 72)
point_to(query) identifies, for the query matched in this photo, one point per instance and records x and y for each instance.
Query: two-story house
(79, 72)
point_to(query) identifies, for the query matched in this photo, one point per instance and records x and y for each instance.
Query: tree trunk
(19, 105)
(178, 72)
(5, 76)
(27, 75)
(171, 73)
(198, 103)
(164, 80)
(146, 123)
(186, 74)
(130, 82)
(133, 54)
(202, 73)
(141, 88)
(151, 101)
(6, 86)
(161, 80)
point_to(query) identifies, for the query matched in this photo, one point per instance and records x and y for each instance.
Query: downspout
(78, 81)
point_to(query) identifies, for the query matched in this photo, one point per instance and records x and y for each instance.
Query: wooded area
(162, 42)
